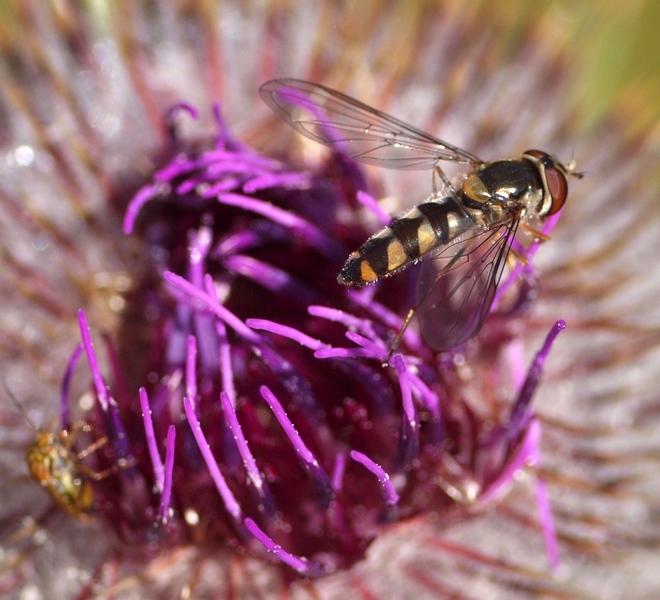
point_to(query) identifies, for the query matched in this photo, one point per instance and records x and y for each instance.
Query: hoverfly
(55, 465)
(465, 235)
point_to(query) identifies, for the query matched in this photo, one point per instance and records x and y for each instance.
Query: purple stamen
(307, 459)
(288, 332)
(514, 362)
(225, 139)
(139, 200)
(428, 398)
(520, 414)
(191, 370)
(377, 347)
(198, 250)
(297, 563)
(390, 494)
(245, 240)
(271, 278)
(181, 107)
(66, 384)
(117, 434)
(259, 486)
(411, 337)
(547, 523)
(312, 234)
(166, 495)
(338, 472)
(346, 319)
(101, 389)
(225, 185)
(152, 446)
(213, 305)
(344, 353)
(199, 246)
(271, 180)
(369, 202)
(232, 506)
(409, 441)
(524, 456)
(225, 362)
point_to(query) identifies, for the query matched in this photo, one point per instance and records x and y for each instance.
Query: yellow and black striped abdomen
(408, 238)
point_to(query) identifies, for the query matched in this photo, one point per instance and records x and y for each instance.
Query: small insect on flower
(465, 232)
(58, 468)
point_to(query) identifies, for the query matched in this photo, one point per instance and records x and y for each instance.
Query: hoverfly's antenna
(571, 165)
(20, 407)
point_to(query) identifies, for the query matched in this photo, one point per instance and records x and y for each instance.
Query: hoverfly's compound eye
(558, 188)
(554, 181)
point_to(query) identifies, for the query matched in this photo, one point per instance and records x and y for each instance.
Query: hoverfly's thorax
(510, 180)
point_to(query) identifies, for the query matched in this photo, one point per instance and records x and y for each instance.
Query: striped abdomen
(419, 231)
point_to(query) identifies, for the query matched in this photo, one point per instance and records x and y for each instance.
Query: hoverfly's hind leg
(439, 173)
(399, 336)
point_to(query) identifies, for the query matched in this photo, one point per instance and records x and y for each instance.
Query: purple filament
(297, 563)
(258, 485)
(152, 445)
(312, 234)
(409, 441)
(66, 384)
(166, 495)
(212, 305)
(307, 459)
(232, 506)
(287, 332)
(521, 412)
(390, 495)
(369, 202)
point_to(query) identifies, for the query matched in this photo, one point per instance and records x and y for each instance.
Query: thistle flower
(269, 424)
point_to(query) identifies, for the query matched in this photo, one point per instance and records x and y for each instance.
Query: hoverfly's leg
(515, 256)
(438, 172)
(399, 336)
(539, 236)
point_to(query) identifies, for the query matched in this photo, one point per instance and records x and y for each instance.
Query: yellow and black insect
(58, 467)
(463, 235)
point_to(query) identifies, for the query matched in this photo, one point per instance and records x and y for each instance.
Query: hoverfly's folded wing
(355, 129)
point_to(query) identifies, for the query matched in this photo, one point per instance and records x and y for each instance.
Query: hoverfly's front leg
(538, 236)
(516, 255)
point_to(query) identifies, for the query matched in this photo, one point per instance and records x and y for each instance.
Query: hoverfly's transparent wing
(355, 129)
(457, 285)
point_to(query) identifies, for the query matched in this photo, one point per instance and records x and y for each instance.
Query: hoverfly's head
(554, 176)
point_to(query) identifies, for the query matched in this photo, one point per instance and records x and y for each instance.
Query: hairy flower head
(241, 390)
